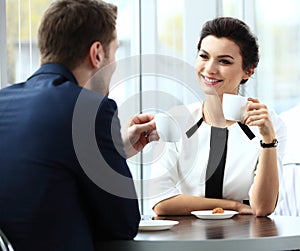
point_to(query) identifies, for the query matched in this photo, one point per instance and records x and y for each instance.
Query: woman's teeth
(211, 81)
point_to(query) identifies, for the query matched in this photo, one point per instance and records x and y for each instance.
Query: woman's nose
(211, 67)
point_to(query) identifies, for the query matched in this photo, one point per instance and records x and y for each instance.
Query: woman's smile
(210, 81)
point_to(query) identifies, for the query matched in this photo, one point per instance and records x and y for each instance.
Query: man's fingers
(146, 127)
(142, 118)
(153, 136)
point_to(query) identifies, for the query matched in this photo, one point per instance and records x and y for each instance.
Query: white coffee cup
(167, 127)
(234, 106)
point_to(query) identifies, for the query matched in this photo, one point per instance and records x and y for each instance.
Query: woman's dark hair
(238, 32)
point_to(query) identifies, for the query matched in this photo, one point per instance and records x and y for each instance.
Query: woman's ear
(248, 73)
(96, 54)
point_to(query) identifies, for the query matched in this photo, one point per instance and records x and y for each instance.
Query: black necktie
(216, 163)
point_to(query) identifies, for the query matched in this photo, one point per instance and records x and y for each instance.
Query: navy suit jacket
(47, 201)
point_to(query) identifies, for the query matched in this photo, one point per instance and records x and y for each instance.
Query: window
(22, 20)
(157, 54)
(3, 65)
(279, 37)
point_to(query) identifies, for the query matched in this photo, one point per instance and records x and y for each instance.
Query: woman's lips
(210, 81)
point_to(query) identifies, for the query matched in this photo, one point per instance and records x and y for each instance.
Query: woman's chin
(208, 89)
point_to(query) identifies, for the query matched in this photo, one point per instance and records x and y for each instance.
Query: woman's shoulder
(276, 118)
(186, 110)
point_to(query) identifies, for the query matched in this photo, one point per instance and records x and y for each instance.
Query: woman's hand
(244, 209)
(257, 114)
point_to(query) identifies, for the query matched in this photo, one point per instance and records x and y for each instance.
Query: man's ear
(96, 54)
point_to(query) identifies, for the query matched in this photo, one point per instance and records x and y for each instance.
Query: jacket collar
(57, 69)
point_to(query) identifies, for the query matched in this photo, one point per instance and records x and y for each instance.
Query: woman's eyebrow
(204, 51)
(225, 56)
(220, 56)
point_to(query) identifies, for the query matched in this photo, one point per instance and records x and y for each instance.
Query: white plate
(207, 214)
(153, 225)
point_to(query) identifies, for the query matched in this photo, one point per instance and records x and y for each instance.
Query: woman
(240, 172)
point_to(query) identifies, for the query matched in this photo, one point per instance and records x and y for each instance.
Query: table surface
(241, 232)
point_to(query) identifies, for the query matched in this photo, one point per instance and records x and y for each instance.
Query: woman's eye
(203, 56)
(224, 61)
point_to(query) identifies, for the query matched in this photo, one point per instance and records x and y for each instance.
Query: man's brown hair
(69, 27)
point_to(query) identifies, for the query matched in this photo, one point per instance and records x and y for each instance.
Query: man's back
(46, 200)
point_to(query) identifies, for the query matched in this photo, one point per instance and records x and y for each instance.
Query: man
(48, 200)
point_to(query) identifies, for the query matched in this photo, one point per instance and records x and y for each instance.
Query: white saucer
(154, 225)
(207, 214)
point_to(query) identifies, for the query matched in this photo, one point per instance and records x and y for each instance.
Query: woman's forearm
(266, 186)
(184, 204)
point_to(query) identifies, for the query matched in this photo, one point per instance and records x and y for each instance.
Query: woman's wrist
(269, 144)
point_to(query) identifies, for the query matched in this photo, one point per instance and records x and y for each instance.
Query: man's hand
(141, 130)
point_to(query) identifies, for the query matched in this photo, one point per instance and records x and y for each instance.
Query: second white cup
(234, 106)
(167, 128)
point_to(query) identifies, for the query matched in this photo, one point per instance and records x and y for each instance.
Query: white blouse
(181, 167)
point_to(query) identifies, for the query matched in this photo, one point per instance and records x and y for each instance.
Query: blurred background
(158, 41)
